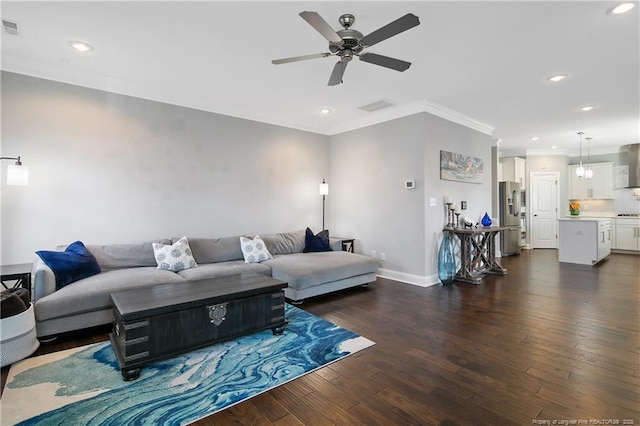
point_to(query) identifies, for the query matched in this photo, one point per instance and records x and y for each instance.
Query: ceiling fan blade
(396, 27)
(317, 22)
(338, 72)
(299, 58)
(385, 61)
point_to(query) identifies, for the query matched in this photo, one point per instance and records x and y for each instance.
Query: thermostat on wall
(409, 184)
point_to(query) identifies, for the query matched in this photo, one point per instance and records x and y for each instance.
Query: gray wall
(441, 134)
(369, 167)
(108, 168)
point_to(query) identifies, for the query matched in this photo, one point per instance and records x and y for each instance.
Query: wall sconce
(17, 174)
(324, 191)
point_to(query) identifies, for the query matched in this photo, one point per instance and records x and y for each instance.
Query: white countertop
(586, 218)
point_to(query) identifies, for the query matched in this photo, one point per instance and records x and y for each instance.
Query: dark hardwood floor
(548, 341)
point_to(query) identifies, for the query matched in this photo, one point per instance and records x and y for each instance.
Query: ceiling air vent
(10, 27)
(377, 105)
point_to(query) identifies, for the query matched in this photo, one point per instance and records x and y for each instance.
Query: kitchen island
(584, 240)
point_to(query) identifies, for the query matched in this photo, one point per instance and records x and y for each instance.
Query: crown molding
(400, 111)
(457, 117)
(546, 152)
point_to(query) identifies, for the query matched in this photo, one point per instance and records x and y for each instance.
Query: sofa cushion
(174, 257)
(115, 256)
(223, 269)
(304, 270)
(285, 243)
(211, 250)
(318, 242)
(254, 251)
(92, 294)
(74, 263)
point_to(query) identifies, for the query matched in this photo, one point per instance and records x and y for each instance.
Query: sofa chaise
(85, 302)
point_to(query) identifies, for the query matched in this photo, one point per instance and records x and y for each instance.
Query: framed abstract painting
(460, 167)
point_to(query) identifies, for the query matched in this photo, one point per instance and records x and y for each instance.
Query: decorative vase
(446, 261)
(574, 208)
(486, 220)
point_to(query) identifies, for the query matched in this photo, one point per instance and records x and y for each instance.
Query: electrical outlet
(383, 256)
(373, 254)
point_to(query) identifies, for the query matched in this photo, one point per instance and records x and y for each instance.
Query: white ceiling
(487, 61)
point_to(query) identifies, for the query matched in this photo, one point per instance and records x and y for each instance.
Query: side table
(20, 273)
(347, 243)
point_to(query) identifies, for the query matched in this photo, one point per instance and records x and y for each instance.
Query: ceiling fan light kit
(347, 43)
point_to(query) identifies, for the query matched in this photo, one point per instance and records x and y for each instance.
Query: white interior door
(544, 209)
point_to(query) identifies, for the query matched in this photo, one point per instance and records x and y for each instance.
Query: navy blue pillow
(72, 264)
(314, 243)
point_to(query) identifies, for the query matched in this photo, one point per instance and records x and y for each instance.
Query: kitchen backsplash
(596, 208)
(626, 201)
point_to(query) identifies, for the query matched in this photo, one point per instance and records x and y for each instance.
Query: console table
(477, 253)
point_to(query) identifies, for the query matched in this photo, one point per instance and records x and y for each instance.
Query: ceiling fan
(347, 43)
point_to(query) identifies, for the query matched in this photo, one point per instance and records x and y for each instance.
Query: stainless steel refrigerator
(510, 216)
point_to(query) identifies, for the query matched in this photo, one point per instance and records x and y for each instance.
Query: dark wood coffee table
(162, 321)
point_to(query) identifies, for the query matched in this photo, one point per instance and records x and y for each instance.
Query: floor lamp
(324, 191)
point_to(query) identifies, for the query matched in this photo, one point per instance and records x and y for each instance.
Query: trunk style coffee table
(162, 321)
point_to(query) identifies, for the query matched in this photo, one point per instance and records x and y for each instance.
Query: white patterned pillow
(254, 251)
(175, 257)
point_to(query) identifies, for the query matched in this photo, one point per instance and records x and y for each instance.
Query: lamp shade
(324, 188)
(17, 175)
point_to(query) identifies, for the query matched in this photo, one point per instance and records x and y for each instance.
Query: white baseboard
(419, 280)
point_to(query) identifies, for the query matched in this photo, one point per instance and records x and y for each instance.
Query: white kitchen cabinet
(627, 234)
(584, 240)
(514, 169)
(614, 244)
(604, 239)
(600, 186)
(578, 188)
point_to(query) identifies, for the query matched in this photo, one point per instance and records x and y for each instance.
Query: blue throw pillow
(314, 243)
(72, 264)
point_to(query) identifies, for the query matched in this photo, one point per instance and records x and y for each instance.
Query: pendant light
(580, 169)
(588, 173)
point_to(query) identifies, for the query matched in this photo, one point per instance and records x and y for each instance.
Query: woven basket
(18, 337)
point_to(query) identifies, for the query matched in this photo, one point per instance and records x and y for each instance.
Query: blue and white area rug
(84, 386)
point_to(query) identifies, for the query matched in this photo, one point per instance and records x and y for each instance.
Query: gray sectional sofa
(85, 303)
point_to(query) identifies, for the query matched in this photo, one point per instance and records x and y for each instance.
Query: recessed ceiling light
(325, 110)
(621, 8)
(81, 46)
(535, 138)
(554, 147)
(556, 78)
(587, 107)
